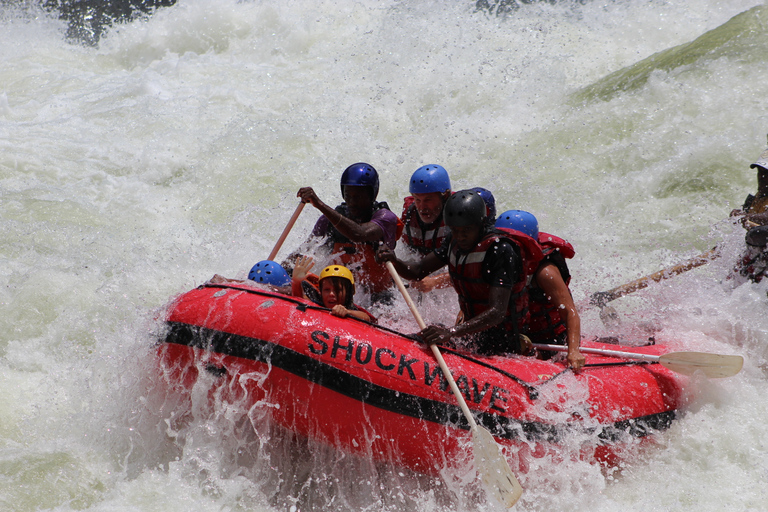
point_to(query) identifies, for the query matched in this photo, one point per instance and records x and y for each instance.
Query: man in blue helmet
(755, 209)
(489, 270)
(424, 228)
(554, 318)
(356, 228)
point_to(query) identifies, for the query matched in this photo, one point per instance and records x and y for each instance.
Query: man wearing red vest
(554, 318)
(489, 270)
(356, 228)
(424, 229)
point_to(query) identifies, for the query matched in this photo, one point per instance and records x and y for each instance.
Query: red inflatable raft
(371, 391)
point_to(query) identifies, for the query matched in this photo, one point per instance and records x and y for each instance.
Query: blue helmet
(521, 221)
(360, 175)
(430, 178)
(490, 202)
(269, 272)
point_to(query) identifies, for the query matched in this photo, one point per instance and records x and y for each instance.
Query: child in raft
(335, 289)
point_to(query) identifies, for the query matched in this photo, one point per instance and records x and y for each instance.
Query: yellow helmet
(338, 271)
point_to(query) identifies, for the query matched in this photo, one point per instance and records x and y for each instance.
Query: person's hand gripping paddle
(491, 466)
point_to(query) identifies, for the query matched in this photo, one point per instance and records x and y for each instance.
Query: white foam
(136, 170)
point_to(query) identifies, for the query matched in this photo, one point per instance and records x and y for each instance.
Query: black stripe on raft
(414, 406)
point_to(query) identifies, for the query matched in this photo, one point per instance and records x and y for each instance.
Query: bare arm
(498, 300)
(342, 312)
(303, 265)
(429, 283)
(410, 270)
(355, 231)
(549, 279)
(757, 219)
(217, 279)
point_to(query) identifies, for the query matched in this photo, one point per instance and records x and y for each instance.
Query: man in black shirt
(488, 271)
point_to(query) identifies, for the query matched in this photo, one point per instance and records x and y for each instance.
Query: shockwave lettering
(348, 349)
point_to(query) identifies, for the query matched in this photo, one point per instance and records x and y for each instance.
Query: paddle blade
(493, 469)
(610, 317)
(712, 365)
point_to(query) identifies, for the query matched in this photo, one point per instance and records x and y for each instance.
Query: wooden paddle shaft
(287, 230)
(602, 298)
(435, 350)
(492, 467)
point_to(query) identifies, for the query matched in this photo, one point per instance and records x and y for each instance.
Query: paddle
(287, 230)
(493, 469)
(687, 363)
(600, 299)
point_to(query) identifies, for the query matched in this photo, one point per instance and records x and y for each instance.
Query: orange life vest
(359, 257)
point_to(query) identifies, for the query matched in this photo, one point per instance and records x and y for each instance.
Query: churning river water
(135, 169)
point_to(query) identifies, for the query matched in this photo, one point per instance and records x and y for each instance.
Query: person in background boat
(424, 228)
(265, 272)
(754, 212)
(489, 270)
(335, 289)
(554, 318)
(754, 217)
(356, 228)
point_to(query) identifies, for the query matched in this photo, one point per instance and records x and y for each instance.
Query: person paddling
(356, 227)
(755, 208)
(753, 264)
(422, 217)
(335, 289)
(554, 318)
(488, 269)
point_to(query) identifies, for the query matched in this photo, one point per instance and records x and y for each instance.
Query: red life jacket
(359, 258)
(466, 276)
(420, 237)
(547, 322)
